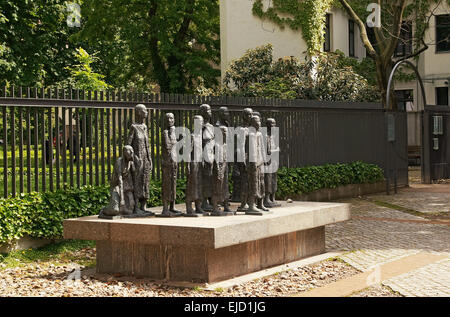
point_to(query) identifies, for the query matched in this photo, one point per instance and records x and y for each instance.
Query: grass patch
(427, 215)
(396, 207)
(57, 252)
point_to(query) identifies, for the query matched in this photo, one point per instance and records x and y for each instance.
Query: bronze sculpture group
(207, 172)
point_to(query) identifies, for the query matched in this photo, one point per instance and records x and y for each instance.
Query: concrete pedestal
(207, 249)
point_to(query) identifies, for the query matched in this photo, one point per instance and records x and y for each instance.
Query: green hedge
(40, 215)
(303, 180)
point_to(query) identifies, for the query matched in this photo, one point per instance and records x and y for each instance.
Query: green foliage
(82, 75)
(365, 67)
(40, 215)
(302, 180)
(34, 42)
(307, 15)
(255, 74)
(173, 43)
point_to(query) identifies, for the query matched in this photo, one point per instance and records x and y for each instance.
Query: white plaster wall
(340, 34)
(240, 30)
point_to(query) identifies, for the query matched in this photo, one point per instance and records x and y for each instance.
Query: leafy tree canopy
(174, 43)
(34, 45)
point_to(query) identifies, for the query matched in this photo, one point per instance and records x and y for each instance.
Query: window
(351, 38)
(327, 43)
(443, 33)
(404, 46)
(372, 38)
(442, 96)
(405, 100)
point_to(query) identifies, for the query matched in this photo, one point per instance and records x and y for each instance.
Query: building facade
(240, 30)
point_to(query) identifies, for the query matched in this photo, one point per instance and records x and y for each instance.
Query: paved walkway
(380, 234)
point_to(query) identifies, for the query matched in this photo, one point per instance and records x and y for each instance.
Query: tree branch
(362, 28)
(396, 27)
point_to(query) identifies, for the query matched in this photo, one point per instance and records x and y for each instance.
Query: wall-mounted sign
(438, 125)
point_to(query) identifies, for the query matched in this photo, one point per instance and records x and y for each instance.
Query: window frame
(438, 51)
(406, 35)
(351, 38)
(437, 95)
(327, 40)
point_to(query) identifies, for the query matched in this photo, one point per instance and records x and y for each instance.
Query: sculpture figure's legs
(273, 201)
(198, 207)
(260, 204)
(189, 209)
(172, 208)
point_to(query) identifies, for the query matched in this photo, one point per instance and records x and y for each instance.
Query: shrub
(40, 215)
(255, 74)
(303, 180)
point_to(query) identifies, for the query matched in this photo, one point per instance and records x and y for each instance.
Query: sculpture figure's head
(247, 115)
(270, 123)
(256, 122)
(140, 112)
(224, 114)
(205, 111)
(198, 120)
(128, 152)
(170, 120)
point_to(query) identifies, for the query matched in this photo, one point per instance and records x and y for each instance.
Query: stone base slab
(207, 249)
(204, 265)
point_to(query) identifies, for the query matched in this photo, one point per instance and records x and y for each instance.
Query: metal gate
(435, 143)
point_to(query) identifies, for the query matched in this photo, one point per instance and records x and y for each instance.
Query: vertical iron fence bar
(71, 149)
(108, 142)
(152, 136)
(22, 172)
(58, 148)
(36, 149)
(5, 152)
(158, 149)
(50, 148)
(13, 151)
(119, 139)
(97, 176)
(28, 124)
(114, 135)
(91, 171)
(43, 149)
(84, 136)
(125, 127)
(102, 145)
(64, 145)
(77, 145)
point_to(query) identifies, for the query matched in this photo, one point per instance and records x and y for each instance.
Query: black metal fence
(54, 138)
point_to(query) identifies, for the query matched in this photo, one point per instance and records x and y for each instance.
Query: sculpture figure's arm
(131, 136)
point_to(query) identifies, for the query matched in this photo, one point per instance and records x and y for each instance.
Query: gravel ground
(377, 291)
(59, 278)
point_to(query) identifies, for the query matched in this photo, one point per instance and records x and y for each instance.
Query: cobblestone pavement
(431, 280)
(375, 242)
(424, 202)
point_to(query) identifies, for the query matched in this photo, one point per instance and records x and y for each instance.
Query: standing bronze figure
(221, 191)
(169, 166)
(138, 140)
(194, 177)
(242, 152)
(254, 169)
(270, 179)
(208, 156)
